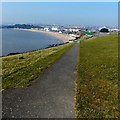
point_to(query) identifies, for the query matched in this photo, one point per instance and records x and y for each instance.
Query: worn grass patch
(97, 78)
(20, 72)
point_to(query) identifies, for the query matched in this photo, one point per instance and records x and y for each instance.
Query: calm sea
(22, 41)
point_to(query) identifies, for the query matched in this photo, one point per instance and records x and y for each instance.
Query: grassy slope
(18, 72)
(97, 79)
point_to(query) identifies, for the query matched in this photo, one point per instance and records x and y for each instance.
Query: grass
(97, 78)
(20, 72)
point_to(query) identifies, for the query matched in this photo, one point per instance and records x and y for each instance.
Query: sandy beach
(60, 36)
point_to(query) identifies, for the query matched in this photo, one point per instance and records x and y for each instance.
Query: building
(46, 29)
(60, 32)
(74, 30)
(54, 29)
(114, 30)
(104, 29)
(73, 36)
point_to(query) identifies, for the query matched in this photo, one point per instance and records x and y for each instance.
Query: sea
(19, 41)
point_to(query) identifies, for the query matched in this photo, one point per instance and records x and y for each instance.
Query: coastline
(62, 37)
(18, 53)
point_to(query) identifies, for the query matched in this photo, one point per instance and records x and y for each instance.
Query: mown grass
(97, 78)
(20, 72)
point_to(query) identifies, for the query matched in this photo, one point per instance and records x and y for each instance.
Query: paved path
(50, 96)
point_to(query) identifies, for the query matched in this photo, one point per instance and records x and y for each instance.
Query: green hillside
(97, 78)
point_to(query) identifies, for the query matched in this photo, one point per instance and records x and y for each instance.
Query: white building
(73, 36)
(46, 29)
(60, 32)
(114, 30)
(54, 29)
(74, 30)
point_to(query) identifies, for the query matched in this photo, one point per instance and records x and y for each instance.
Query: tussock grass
(97, 78)
(20, 72)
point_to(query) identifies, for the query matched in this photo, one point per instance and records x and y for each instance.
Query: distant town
(74, 31)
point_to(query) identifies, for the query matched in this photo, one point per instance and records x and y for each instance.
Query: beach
(60, 36)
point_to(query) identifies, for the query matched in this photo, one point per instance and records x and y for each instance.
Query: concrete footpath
(50, 96)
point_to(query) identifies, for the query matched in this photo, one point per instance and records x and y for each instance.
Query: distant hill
(23, 26)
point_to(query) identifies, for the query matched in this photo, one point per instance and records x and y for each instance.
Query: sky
(73, 13)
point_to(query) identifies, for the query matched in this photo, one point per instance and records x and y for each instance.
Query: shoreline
(63, 37)
(18, 53)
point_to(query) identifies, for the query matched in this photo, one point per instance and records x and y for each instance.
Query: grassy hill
(19, 70)
(97, 78)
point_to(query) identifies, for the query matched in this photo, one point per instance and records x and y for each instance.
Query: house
(74, 30)
(60, 32)
(46, 29)
(54, 29)
(73, 36)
